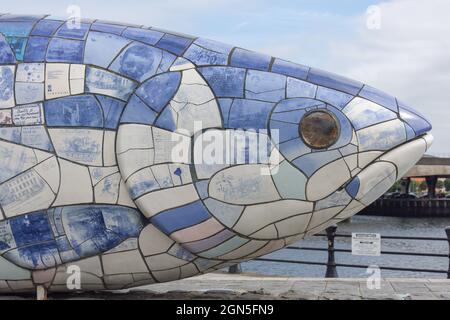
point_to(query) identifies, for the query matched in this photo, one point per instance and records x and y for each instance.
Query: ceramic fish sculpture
(136, 155)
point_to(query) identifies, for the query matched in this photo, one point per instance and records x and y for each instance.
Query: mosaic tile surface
(89, 121)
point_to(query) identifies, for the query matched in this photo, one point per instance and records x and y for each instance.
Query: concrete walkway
(224, 286)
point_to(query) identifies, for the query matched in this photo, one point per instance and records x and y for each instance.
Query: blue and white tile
(6, 86)
(382, 136)
(37, 194)
(102, 48)
(82, 146)
(243, 185)
(159, 201)
(108, 84)
(363, 113)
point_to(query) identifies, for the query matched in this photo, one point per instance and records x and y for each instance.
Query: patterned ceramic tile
(130, 152)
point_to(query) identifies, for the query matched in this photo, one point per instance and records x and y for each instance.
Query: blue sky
(407, 57)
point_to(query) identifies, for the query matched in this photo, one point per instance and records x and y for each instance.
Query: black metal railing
(332, 265)
(423, 207)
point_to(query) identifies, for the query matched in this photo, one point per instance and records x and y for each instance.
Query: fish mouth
(376, 178)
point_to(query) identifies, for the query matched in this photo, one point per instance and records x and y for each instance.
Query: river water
(386, 226)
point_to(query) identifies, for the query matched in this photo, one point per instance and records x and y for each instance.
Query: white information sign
(366, 244)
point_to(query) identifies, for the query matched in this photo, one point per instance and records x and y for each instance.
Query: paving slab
(224, 286)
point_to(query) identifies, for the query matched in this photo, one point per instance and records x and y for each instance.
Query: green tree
(414, 186)
(447, 185)
(395, 187)
(439, 184)
(423, 186)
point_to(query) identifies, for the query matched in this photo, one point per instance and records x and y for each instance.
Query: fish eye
(319, 129)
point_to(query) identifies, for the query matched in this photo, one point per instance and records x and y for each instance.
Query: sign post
(366, 244)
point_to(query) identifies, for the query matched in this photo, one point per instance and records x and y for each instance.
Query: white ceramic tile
(244, 251)
(75, 185)
(27, 92)
(321, 216)
(49, 171)
(375, 180)
(91, 265)
(133, 160)
(163, 262)
(118, 281)
(327, 180)
(30, 72)
(336, 199)
(9, 271)
(22, 285)
(271, 246)
(15, 159)
(167, 275)
(406, 156)
(188, 270)
(77, 71)
(197, 232)
(171, 147)
(109, 148)
(352, 161)
(124, 196)
(257, 217)
(243, 185)
(159, 201)
(77, 81)
(290, 182)
(269, 232)
(353, 208)
(153, 242)
(127, 245)
(123, 262)
(57, 80)
(194, 101)
(41, 155)
(293, 226)
(134, 136)
(32, 114)
(226, 213)
(364, 158)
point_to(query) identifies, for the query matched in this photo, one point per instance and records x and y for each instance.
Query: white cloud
(408, 57)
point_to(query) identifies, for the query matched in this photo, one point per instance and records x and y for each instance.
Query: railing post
(331, 263)
(447, 231)
(235, 269)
